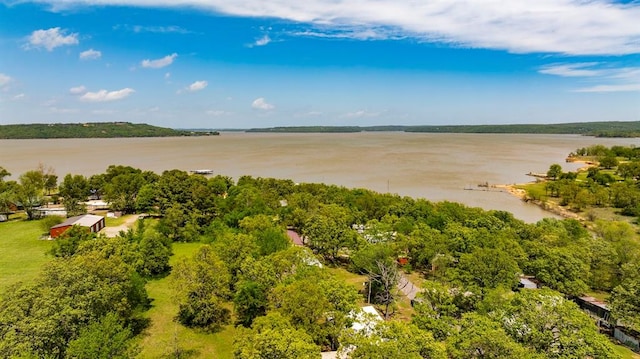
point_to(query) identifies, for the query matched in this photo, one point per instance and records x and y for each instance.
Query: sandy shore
(550, 207)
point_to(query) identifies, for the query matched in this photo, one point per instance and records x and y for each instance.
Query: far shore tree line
(247, 273)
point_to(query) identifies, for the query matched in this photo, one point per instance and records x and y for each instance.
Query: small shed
(92, 222)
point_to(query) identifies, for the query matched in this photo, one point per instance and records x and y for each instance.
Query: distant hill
(598, 129)
(92, 130)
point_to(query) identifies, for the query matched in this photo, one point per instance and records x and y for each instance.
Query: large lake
(433, 166)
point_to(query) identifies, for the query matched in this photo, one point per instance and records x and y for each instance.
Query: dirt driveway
(128, 223)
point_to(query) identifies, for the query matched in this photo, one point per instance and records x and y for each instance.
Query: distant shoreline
(597, 129)
(92, 130)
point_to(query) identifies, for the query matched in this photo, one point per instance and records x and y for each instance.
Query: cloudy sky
(263, 63)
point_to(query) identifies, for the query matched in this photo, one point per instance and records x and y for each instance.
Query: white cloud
(583, 69)
(153, 29)
(611, 78)
(218, 113)
(197, 86)
(571, 27)
(159, 63)
(77, 90)
(167, 75)
(4, 80)
(90, 54)
(50, 39)
(265, 40)
(261, 104)
(19, 96)
(361, 114)
(106, 96)
(611, 88)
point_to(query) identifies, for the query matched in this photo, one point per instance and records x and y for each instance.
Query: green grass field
(22, 252)
(165, 337)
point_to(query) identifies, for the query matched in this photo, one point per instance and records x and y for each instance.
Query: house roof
(85, 220)
(595, 302)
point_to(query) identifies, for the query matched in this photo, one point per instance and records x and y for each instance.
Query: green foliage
(488, 268)
(250, 302)
(554, 171)
(273, 336)
(155, 253)
(201, 284)
(328, 231)
(600, 129)
(74, 190)
(44, 317)
(392, 340)
(104, 339)
(551, 325)
(30, 192)
(625, 298)
(49, 221)
(270, 237)
(68, 242)
(481, 337)
(90, 130)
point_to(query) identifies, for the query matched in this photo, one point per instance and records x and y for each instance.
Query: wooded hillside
(91, 130)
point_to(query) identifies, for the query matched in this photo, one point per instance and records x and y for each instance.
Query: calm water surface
(433, 166)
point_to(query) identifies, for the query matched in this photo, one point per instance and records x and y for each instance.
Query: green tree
(66, 245)
(121, 187)
(155, 253)
(269, 236)
(201, 283)
(43, 317)
(555, 170)
(74, 190)
(4, 173)
(328, 231)
(488, 268)
(553, 326)
(146, 198)
(392, 340)
(436, 309)
(625, 298)
(481, 337)
(30, 192)
(608, 162)
(249, 302)
(273, 336)
(104, 339)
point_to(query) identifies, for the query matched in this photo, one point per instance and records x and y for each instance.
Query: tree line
(290, 305)
(92, 130)
(610, 181)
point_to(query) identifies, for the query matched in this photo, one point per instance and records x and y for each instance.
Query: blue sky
(263, 63)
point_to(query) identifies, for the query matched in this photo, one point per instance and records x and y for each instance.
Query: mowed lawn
(22, 252)
(164, 337)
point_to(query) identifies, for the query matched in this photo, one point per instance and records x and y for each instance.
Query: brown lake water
(432, 166)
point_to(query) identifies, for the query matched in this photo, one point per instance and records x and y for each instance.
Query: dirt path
(114, 231)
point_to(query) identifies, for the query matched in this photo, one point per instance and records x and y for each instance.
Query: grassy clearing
(165, 336)
(625, 352)
(22, 252)
(114, 222)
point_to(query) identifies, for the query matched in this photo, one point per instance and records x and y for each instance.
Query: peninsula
(92, 130)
